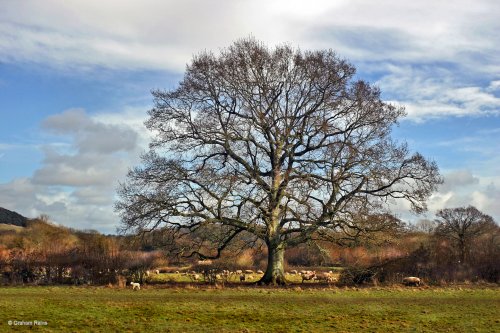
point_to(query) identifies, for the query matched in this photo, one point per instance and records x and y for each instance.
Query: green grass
(249, 309)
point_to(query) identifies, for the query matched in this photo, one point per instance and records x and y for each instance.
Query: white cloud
(462, 188)
(458, 179)
(114, 34)
(494, 86)
(131, 117)
(76, 186)
(92, 136)
(429, 92)
(164, 34)
(412, 45)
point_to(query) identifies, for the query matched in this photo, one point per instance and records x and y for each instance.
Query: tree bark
(275, 272)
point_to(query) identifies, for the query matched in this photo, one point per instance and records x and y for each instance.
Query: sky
(76, 77)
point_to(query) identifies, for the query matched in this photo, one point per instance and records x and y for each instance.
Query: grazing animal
(293, 272)
(195, 277)
(135, 286)
(147, 273)
(242, 277)
(248, 271)
(328, 277)
(157, 271)
(239, 271)
(411, 281)
(308, 276)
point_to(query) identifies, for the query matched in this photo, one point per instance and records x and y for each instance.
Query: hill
(10, 217)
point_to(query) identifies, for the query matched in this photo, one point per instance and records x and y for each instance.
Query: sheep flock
(215, 276)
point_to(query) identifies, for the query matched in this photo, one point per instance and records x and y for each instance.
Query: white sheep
(260, 272)
(157, 271)
(308, 276)
(328, 277)
(411, 281)
(135, 286)
(195, 277)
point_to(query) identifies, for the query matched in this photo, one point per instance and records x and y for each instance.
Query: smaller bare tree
(461, 226)
(425, 226)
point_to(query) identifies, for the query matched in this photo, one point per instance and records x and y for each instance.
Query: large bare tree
(462, 225)
(274, 142)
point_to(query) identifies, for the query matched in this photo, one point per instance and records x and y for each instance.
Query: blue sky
(76, 76)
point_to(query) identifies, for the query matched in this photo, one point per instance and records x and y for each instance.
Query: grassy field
(249, 309)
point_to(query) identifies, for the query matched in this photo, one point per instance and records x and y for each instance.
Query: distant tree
(277, 143)
(53, 245)
(100, 257)
(424, 225)
(461, 226)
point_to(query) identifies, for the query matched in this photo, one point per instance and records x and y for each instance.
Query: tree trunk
(275, 272)
(463, 250)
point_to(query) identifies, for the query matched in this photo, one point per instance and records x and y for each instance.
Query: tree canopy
(461, 225)
(277, 143)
